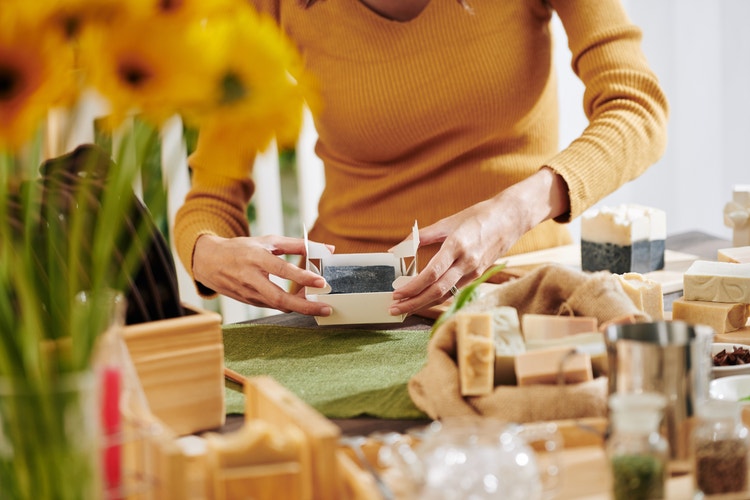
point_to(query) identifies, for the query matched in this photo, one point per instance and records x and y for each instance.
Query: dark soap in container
(359, 279)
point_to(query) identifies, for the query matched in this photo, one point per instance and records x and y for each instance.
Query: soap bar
(476, 353)
(721, 316)
(507, 331)
(737, 255)
(622, 239)
(545, 366)
(359, 279)
(548, 326)
(717, 282)
(646, 294)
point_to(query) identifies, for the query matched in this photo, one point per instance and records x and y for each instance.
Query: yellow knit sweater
(423, 118)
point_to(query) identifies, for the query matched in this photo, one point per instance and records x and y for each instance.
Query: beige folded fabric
(550, 289)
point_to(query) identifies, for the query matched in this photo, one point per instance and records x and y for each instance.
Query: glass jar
(637, 452)
(481, 457)
(721, 443)
(48, 437)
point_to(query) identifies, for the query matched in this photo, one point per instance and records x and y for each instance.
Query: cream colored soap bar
(545, 366)
(476, 353)
(737, 255)
(548, 326)
(646, 294)
(721, 316)
(717, 282)
(507, 331)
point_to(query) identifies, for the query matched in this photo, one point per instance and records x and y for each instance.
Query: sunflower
(36, 73)
(153, 65)
(262, 87)
(197, 8)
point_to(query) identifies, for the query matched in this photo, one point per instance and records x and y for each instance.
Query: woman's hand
(240, 268)
(475, 238)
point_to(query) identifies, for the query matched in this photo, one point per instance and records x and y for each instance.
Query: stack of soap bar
(717, 282)
(721, 316)
(623, 239)
(476, 353)
(737, 255)
(646, 294)
(547, 326)
(548, 366)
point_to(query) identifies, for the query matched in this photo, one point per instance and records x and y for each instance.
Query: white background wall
(700, 50)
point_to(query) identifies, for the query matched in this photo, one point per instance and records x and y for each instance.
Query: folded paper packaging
(359, 287)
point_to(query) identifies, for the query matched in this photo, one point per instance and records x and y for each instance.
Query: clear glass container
(720, 444)
(477, 458)
(638, 453)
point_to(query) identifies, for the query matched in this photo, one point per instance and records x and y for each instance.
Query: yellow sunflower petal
(36, 73)
(153, 65)
(262, 87)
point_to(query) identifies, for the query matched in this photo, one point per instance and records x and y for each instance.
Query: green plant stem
(465, 295)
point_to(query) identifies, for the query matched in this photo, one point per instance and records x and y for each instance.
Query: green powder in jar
(638, 477)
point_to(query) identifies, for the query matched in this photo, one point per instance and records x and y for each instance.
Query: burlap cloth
(550, 289)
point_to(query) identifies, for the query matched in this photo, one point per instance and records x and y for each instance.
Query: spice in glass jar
(638, 476)
(721, 444)
(638, 453)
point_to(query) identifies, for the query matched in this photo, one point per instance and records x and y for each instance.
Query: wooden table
(585, 475)
(700, 244)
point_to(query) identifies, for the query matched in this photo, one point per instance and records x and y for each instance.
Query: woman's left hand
(473, 239)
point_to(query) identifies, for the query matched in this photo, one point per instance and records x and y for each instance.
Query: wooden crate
(180, 364)
(268, 400)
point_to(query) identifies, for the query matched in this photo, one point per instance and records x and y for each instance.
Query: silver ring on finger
(454, 290)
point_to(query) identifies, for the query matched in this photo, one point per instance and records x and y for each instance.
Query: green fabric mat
(341, 372)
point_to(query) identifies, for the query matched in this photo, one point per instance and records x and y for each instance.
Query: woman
(442, 113)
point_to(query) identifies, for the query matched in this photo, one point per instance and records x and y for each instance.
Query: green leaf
(466, 295)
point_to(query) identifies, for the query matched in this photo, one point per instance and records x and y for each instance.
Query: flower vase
(49, 438)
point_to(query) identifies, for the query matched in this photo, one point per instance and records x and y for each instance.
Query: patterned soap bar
(623, 239)
(717, 282)
(359, 279)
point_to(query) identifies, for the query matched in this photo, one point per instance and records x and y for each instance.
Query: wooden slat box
(180, 364)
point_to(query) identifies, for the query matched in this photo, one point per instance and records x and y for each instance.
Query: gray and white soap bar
(623, 239)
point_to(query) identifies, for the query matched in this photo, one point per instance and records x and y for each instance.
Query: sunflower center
(133, 75)
(10, 82)
(71, 26)
(168, 5)
(232, 88)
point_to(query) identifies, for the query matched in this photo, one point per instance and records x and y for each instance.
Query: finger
(279, 245)
(434, 271)
(277, 266)
(434, 294)
(269, 294)
(436, 233)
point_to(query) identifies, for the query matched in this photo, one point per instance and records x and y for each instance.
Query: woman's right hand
(241, 267)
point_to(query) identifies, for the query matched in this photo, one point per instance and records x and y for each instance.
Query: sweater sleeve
(217, 201)
(626, 107)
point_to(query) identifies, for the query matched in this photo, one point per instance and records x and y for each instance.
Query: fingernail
(394, 311)
(326, 311)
